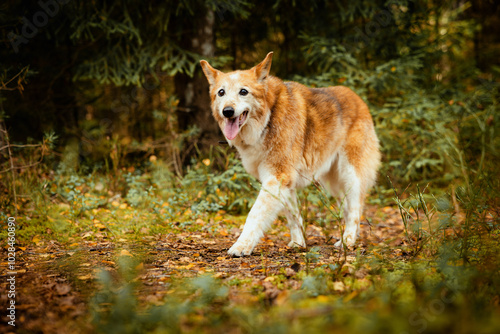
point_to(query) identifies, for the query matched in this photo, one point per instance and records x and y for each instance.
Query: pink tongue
(231, 129)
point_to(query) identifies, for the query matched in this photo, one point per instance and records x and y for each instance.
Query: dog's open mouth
(234, 124)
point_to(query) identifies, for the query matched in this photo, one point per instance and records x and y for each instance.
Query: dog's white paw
(297, 238)
(349, 240)
(297, 242)
(241, 249)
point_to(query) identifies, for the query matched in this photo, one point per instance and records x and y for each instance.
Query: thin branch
(4, 84)
(21, 146)
(12, 167)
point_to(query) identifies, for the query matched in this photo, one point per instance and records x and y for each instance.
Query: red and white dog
(288, 135)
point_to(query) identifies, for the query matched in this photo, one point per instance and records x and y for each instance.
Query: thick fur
(291, 136)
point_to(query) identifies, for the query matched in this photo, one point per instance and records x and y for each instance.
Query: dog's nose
(228, 112)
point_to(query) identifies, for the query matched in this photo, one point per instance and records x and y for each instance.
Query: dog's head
(238, 98)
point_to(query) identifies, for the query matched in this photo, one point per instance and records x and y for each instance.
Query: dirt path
(54, 282)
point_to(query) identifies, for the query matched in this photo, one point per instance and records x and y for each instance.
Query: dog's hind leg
(342, 183)
(292, 214)
(351, 185)
(271, 201)
(357, 170)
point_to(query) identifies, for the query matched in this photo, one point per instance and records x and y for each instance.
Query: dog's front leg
(265, 210)
(294, 219)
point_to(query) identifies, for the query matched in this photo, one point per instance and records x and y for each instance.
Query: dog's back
(310, 127)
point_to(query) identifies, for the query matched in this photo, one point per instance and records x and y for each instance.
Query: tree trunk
(192, 92)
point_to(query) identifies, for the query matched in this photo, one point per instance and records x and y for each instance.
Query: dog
(289, 135)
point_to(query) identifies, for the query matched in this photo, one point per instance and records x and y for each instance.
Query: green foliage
(79, 193)
(231, 190)
(200, 192)
(140, 39)
(115, 307)
(136, 194)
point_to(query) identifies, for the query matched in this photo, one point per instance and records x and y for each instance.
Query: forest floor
(56, 278)
(102, 264)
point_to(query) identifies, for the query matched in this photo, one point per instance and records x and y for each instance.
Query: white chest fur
(251, 157)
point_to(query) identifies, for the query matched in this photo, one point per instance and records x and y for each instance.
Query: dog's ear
(210, 72)
(262, 69)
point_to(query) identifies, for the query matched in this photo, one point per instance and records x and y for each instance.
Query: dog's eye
(221, 92)
(243, 92)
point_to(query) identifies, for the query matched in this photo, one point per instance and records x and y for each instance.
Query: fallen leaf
(125, 252)
(289, 272)
(282, 297)
(63, 289)
(351, 296)
(347, 269)
(87, 234)
(361, 273)
(338, 286)
(100, 226)
(322, 299)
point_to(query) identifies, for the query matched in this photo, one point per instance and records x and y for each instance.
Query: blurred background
(108, 87)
